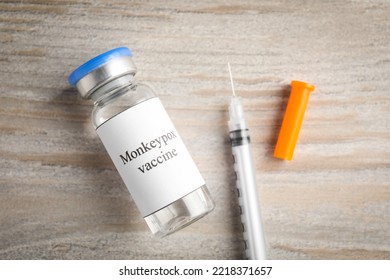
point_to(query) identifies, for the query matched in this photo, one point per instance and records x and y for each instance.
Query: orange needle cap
(292, 120)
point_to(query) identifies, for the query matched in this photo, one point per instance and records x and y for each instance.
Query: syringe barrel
(247, 195)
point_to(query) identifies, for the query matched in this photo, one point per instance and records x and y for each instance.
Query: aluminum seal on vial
(98, 72)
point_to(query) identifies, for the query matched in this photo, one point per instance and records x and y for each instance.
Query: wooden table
(61, 197)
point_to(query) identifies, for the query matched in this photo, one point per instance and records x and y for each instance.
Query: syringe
(245, 181)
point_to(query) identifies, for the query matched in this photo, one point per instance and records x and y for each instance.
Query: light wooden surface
(60, 196)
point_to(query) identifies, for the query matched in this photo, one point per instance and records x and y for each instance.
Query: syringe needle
(236, 120)
(231, 79)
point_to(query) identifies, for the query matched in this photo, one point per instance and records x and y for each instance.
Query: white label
(150, 156)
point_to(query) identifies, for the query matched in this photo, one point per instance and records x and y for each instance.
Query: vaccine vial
(142, 142)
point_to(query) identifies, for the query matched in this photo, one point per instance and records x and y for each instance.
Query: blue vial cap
(96, 62)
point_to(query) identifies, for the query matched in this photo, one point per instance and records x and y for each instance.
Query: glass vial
(143, 143)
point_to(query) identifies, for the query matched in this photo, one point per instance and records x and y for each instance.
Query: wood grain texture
(60, 196)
